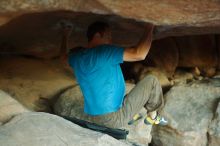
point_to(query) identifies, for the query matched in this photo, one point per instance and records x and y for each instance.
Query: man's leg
(147, 93)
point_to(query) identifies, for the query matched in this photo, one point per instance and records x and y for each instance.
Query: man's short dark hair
(95, 27)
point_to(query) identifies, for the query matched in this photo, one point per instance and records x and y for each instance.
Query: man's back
(100, 77)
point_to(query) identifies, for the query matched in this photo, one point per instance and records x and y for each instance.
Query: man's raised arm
(141, 50)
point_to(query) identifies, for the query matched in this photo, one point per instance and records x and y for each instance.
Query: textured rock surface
(70, 104)
(198, 51)
(161, 12)
(189, 110)
(9, 107)
(32, 81)
(214, 129)
(19, 36)
(218, 52)
(164, 54)
(140, 133)
(42, 129)
(185, 51)
(182, 77)
(32, 27)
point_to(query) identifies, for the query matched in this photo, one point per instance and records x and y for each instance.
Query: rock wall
(197, 50)
(164, 54)
(32, 82)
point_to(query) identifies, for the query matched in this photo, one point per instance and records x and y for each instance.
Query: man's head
(99, 33)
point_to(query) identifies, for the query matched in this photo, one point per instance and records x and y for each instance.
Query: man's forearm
(141, 50)
(144, 44)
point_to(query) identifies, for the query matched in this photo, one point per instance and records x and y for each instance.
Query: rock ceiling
(35, 24)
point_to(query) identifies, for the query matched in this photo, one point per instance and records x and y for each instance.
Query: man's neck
(93, 44)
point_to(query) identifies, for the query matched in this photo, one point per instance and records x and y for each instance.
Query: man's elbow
(139, 54)
(141, 57)
(132, 54)
(137, 57)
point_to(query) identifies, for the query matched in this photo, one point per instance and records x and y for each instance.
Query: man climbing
(97, 70)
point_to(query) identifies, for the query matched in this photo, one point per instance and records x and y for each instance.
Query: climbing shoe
(158, 120)
(135, 118)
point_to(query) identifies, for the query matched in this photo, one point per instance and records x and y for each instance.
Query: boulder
(214, 129)
(139, 132)
(9, 107)
(182, 77)
(189, 110)
(208, 71)
(38, 129)
(71, 104)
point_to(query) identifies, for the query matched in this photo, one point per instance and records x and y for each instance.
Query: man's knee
(151, 79)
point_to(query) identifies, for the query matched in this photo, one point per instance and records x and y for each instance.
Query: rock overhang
(32, 27)
(173, 18)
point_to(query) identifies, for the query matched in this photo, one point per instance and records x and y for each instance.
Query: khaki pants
(147, 93)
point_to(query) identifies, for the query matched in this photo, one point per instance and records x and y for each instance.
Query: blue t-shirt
(99, 75)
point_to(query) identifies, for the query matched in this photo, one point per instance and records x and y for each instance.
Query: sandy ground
(33, 81)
